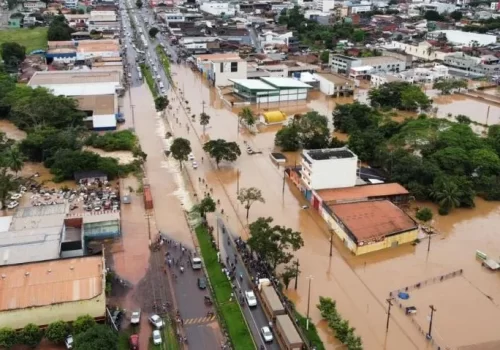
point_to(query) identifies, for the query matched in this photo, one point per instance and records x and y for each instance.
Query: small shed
(104, 122)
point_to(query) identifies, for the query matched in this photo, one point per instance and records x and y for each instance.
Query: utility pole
(308, 301)
(429, 243)
(218, 235)
(331, 241)
(429, 334)
(203, 106)
(389, 301)
(296, 263)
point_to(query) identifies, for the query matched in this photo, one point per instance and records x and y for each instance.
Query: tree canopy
(220, 149)
(59, 30)
(309, 131)
(97, 337)
(180, 148)
(13, 54)
(248, 196)
(400, 95)
(153, 31)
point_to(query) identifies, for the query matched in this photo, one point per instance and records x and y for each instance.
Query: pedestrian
(202, 159)
(222, 211)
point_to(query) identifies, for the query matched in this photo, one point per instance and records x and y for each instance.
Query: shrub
(57, 332)
(8, 337)
(30, 335)
(83, 324)
(124, 140)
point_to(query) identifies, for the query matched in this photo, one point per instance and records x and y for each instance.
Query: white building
(220, 68)
(176, 17)
(359, 8)
(378, 79)
(71, 4)
(102, 16)
(422, 50)
(334, 84)
(272, 38)
(459, 38)
(218, 8)
(324, 5)
(439, 7)
(329, 168)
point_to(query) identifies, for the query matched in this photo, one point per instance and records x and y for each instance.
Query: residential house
(220, 68)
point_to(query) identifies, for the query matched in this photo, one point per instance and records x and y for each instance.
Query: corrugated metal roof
(286, 82)
(50, 282)
(361, 192)
(81, 89)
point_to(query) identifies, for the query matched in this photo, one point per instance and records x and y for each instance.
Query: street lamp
(429, 334)
(331, 241)
(310, 278)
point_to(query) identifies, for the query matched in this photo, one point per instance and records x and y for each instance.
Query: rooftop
(329, 153)
(219, 57)
(50, 282)
(81, 89)
(362, 192)
(73, 77)
(99, 104)
(372, 220)
(285, 82)
(285, 323)
(34, 234)
(253, 84)
(336, 78)
(371, 61)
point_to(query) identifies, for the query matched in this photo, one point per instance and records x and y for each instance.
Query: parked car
(16, 196)
(156, 337)
(135, 318)
(202, 283)
(156, 321)
(13, 205)
(69, 342)
(267, 335)
(250, 297)
(134, 342)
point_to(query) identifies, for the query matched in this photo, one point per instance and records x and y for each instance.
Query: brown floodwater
(359, 284)
(11, 131)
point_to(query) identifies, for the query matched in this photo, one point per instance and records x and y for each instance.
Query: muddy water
(359, 284)
(11, 131)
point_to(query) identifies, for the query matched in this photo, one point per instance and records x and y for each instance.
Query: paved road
(256, 318)
(202, 332)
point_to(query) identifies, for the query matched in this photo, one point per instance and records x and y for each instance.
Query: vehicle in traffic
(196, 263)
(202, 283)
(267, 335)
(250, 297)
(129, 75)
(156, 321)
(156, 337)
(161, 85)
(195, 165)
(135, 318)
(134, 342)
(191, 156)
(69, 342)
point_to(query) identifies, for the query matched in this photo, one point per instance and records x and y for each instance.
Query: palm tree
(14, 160)
(204, 120)
(246, 115)
(447, 194)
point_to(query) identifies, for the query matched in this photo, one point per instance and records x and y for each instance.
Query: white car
(156, 321)
(16, 196)
(191, 156)
(156, 337)
(250, 297)
(135, 318)
(267, 335)
(13, 205)
(195, 165)
(69, 342)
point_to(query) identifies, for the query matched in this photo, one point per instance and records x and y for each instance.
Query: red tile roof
(362, 192)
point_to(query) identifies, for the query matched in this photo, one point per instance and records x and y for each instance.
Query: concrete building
(96, 93)
(218, 8)
(332, 84)
(44, 292)
(70, 51)
(102, 16)
(369, 226)
(422, 50)
(324, 5)
(220, 68)
(33, 5)
(329, 168)
(459, 38)
(272, 38)
(270, 89)
(439, 7)
(484, 65)
(378, 79)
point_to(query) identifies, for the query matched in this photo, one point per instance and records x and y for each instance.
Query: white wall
(330, 173)
(325, 86)
(222, 78)
(217, 8)
(285, 95)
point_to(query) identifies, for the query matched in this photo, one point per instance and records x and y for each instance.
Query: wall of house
(388, 242)
(44, 315)
(331, 173)
(222, 78)
(338, 230)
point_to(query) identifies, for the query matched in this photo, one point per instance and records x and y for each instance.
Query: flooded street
(360, 285)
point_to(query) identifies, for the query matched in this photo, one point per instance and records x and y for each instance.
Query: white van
(196, 263)
(161, 85)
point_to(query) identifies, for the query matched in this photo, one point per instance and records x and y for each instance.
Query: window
(234, 67)
(222, 67)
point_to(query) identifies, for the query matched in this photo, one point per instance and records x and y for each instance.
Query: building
(393, 192)
(102, 16)
(70, 51)
(378, 79)
(423, 50)
(95, 91)
(439, 7)
(71, 4)
(272, 38)
(459, 38)
(16, 20)
(332, 84)
(369, 226)
(324, 5)
(218, 8)
(220, 68)
(363, 66)
(269, 89)
(48, 291)
(33, 5)
(328, 168)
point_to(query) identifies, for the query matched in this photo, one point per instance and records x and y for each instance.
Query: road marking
(199, 320)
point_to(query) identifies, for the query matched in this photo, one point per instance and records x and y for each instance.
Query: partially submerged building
(270, 89)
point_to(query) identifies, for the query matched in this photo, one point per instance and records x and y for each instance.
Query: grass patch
(124, 140)
(229, 310)
(123, 339)
(146, 72)
(164, 60)
(311, 334)
(32, 39)
(170, 337)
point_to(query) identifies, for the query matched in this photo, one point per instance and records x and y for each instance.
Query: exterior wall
(44, 315)
(377, 80)
(87, 55)
(338, 229)
(421, 51)
(283, 96)
(343, 65)
(388, 242)
(329, 173)
(217, 8)
(33, 5)
(388, 65)
(15, 22)
(222, 78)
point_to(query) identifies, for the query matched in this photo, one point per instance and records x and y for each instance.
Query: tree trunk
(180, 163)
(248, 210)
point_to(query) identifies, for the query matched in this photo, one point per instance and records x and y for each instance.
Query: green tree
(273, 244)
(57, 332)
(98, 337)
(289, 273)
(348, 118)
(204, 120)
(314, 132)
(446, 194)
(43, 143)
(463, 119)
(82, 324)
(206, 205)
(365, 143)
(424, 214)
(8, 337)
(432, 15)
(400, 95)
(324, 56)
(246, 116)
(30, 335)
(412, 98)
(180, 148)
(327, 307)
(456, 15)
(288, 138)
(248, 196)
(161, 103)
(220, 149)
(138, 3)
(153, 31)
(8, 184)
(342, 330)
(59, 30)
(358, 35)
(14, 159)
(353, 342)
(13, 54)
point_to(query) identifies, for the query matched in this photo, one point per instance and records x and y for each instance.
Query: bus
(196, 263)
